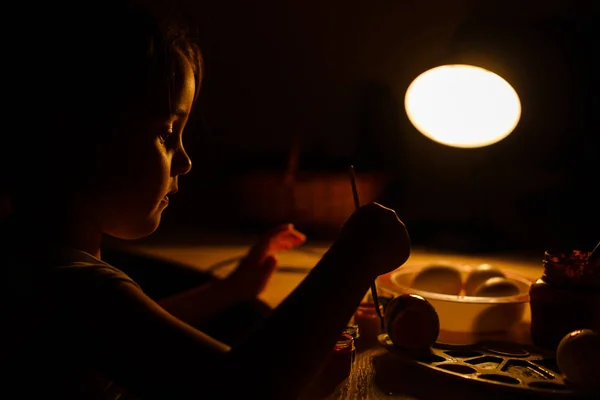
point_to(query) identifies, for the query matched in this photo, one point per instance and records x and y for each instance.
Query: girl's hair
(76, 77)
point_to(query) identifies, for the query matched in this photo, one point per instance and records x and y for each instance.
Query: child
(106, 144)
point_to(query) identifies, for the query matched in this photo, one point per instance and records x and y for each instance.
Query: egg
(411, 323)
(480, 274)
(497, 287)
(438, 278)
(577, 358)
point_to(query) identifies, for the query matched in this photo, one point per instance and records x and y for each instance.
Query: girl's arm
(147, 348)
(200, 304)
(244, 284)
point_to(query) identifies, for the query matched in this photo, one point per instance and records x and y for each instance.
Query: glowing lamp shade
(462, 106)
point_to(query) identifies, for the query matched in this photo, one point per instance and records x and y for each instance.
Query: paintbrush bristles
(595, 254)
(354, 189)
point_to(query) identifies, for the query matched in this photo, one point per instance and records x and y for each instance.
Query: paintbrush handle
(595, 256)
(373, 285)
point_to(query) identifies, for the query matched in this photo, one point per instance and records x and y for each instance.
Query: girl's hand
(377, 237)
(253, 273)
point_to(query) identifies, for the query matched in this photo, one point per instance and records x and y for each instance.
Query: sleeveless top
(42, 356)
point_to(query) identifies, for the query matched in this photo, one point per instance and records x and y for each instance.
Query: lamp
(469, 101)
(462, 106)
(467, 107)
(533, 76)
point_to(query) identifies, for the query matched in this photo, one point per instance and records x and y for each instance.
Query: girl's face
(137, 171)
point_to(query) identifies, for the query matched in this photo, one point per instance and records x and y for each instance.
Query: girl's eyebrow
(180, 112)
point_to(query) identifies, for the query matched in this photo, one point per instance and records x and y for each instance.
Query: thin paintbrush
(373, 286)
(594, 256)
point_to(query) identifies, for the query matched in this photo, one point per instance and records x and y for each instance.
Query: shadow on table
(395, 376)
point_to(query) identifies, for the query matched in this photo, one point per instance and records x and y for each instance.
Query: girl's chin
(139, 230)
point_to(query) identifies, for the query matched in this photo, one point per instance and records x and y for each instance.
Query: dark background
(328, 78)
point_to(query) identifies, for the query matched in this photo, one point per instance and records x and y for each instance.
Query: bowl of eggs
(474, 299)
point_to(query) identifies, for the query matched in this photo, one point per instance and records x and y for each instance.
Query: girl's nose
(182, 164)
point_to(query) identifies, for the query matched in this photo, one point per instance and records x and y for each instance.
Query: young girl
(101, 127)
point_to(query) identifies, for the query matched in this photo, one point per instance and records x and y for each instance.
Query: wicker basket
(312, 201)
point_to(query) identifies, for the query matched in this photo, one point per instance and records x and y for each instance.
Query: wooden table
(377, 374)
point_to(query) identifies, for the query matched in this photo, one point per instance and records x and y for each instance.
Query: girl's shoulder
(41, 309)
(49, 271)
(80, 266)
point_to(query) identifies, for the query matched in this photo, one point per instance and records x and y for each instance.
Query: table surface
(376, 374)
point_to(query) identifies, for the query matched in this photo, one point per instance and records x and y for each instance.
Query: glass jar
(565, 298)
(354, 332)
(368, 320)
(369, 324)
(338, 364)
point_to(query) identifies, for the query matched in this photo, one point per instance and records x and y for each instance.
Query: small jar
(353, 330)
(565, 298)
(339, 363)
(369, 323)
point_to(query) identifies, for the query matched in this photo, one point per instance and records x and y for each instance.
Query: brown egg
(497, 287)
(480, 274)
(411, 323)
(577, 357)
(438, 278)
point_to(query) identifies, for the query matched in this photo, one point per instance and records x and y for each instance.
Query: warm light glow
(462, 106)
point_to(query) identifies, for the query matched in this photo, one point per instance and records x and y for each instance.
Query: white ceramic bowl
(465, 314)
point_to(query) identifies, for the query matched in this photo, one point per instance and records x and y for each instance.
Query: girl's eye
(166, 136)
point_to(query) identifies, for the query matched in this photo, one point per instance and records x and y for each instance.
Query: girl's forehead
(171, 90)
(184, 84)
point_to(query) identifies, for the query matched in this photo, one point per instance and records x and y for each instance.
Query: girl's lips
(165, 200)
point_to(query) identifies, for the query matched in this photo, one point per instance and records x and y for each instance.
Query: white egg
(577, 357)
(438, 278)
(412, 323)
(479, 275)
(497, 287)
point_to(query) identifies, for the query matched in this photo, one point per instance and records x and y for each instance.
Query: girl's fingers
(265, 272)
(284, 244)
(290, 235)
(287, 230)
(269, 265)
(283, 237)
